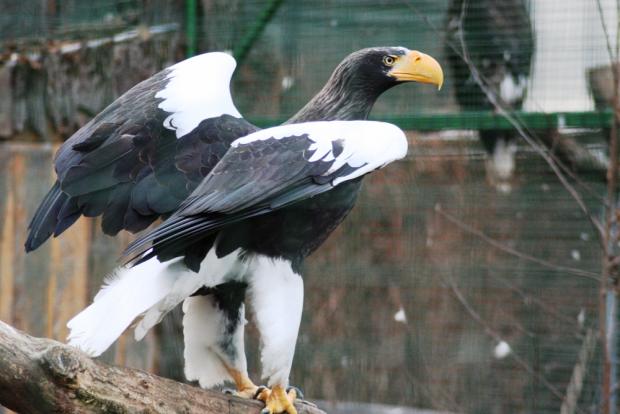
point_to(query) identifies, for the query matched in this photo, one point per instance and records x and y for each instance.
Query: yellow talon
(245, 387)
(277, 400)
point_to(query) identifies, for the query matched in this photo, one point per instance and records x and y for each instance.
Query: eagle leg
(245, 387)
(213, 327)
(276, 294)
(277, 400)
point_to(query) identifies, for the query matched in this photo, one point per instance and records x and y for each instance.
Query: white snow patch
(400, 316)
(581, 317)
(502, 350)
(287, 82)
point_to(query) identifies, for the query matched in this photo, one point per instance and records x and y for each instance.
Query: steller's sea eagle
(242, 207)
(499, 41)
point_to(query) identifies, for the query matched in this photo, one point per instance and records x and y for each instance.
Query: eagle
(499, 41)
(241, 207)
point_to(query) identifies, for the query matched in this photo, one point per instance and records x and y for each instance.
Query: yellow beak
(418, 67)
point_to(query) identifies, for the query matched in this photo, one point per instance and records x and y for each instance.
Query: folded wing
(145, 153)
(269, 170)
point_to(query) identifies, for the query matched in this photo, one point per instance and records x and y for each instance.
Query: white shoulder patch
(366, 145)
(198, 89)
(511, 90)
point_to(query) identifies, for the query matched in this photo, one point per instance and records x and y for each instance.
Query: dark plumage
(353, 87)
(242, 207)
(127, 166)
(500, 43)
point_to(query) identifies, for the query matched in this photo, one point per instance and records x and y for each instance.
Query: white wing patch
(198, 89)
(366, 145)
(512, 90)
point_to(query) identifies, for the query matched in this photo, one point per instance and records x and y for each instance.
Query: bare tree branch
(498, 338)
(551, 161)
(43, 376)
(465, 227)
(610, 237)
(601, 16)
(556, 165)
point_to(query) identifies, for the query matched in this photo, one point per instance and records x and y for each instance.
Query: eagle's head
(362, 77)
(380, 68)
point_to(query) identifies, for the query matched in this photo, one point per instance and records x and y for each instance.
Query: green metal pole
(190, 26)
(240, 52)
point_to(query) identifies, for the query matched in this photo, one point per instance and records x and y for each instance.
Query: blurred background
(467, 278)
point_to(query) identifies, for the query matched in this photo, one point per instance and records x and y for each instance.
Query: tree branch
(42, 376)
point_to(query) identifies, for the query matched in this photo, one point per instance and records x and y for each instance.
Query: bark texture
(44, 376)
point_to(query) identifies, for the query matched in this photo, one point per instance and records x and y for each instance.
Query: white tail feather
(216, 270)
(183, 287)
(127, 294)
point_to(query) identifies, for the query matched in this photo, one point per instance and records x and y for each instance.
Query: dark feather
(44, 221)
(126, 166)
(101, 134)
(114, 214)
(69, 213)
(251, 180)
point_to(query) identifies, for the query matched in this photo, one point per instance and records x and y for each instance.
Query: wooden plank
(30, 183)
(7, 207)
(68, 278)
(6, 258)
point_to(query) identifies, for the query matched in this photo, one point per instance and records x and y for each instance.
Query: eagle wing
(499, 39)
(269, 170)
(144, 154)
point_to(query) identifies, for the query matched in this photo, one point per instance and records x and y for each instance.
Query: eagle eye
(388, 60)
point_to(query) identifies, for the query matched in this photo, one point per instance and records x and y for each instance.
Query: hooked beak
(417, 67)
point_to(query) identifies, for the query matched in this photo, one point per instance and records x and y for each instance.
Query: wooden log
(50, 89)
(42, 376)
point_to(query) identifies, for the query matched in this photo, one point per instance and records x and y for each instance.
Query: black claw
(228, 391)
(265, 411)
(258, 391)
(300, 394)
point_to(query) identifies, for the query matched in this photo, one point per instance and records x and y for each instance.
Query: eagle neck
(342, 98)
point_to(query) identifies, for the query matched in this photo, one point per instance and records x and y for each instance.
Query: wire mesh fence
(442, 290)
(549, 47)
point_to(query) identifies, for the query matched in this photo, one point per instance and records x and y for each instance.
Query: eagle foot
(249, 392)
(300, 394)
(245, 387)
(278, 401)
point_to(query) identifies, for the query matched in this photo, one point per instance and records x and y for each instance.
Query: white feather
(198, 89)
(213, 271)
(503, 158)
(512, 90)
(203, 328)
(151, 289)
(367, 145)
(127, 294)
(185, 283)
(276, 294)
